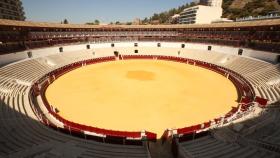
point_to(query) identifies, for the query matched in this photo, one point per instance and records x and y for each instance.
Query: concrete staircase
(159, 150)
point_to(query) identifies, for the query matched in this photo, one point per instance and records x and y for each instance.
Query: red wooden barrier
(243, 86)
(262, 102)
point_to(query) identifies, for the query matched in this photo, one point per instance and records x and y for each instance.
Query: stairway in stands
(159, 150)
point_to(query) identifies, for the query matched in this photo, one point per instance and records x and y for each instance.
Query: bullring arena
(139, 91)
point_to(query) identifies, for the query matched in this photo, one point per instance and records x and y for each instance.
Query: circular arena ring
(245, 91)
(25, 86)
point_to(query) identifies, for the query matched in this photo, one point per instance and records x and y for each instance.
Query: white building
(174, 19)
(200, 14)
(213, 3)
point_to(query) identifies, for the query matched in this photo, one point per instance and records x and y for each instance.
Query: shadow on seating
(22, 136)
(256, 137)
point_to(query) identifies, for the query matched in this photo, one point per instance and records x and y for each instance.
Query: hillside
(242, 8)
(232, 9)
(163, 17)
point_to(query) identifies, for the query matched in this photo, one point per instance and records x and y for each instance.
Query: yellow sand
(134, 95)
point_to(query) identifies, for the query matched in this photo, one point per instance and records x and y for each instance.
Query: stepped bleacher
(208, 146)
(255, 137)
(22, 135)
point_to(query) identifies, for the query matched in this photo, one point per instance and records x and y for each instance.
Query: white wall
(36, 53)
(100, 45)
(127, 45)
(71, 48)
(9, 58)
(266, 56)
(171, 45)
(224, 49)
(196, 46)
(13, 57)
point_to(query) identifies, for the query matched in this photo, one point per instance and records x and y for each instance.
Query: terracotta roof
(4, 22)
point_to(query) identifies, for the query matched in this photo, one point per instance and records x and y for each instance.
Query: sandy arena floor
(133, 95)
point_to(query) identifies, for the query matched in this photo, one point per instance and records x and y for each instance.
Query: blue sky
(81, 11)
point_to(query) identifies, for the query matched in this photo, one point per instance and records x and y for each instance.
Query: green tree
(268, 9)
(155, 17)
(65, 21)
(145, 21)
(96, 22)
(164, 17)
(191, 4)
